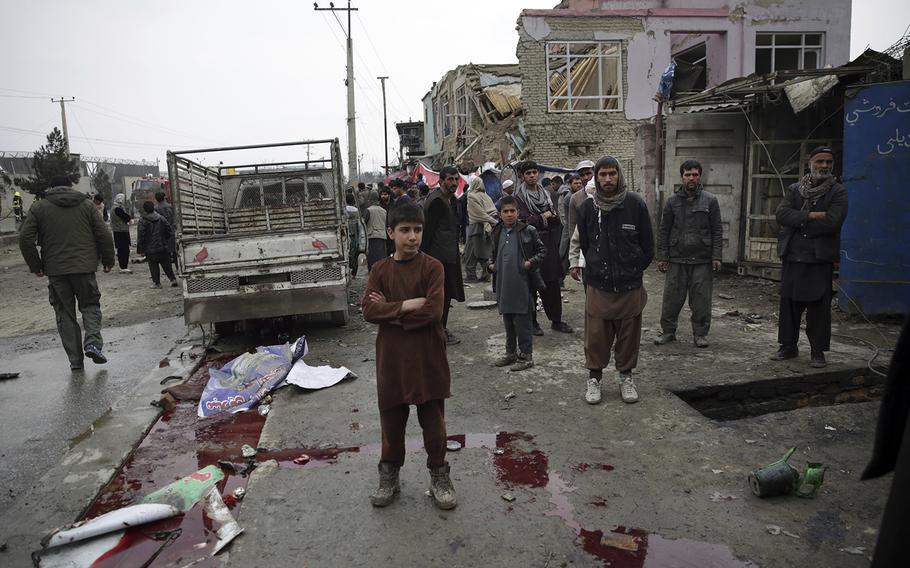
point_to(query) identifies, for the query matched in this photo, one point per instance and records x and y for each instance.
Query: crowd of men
(587, 224)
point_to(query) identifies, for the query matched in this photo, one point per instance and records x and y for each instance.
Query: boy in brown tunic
(405, 294)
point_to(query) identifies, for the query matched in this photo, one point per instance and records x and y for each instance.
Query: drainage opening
(731, 402)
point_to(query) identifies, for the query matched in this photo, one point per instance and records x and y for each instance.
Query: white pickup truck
(261, 240)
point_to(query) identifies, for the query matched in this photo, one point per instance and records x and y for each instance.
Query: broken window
(446, 116)
(584, 76)
(787, 51)
(691, 69)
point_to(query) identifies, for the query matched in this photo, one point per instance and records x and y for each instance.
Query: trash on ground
(498, 451)
(619, 540)
(247, 451)
(481, 304)
(725, 296)
(716, 471)
(529, 391)
(812, 480)
(264, 409)
(239, 493)
(117, 520)
(773, 529)
(717, 497)
(790, 534)
(185, 391)
(453, 445)
(249, 378)
(245, 380)
(302, 459)
(858, 550)
(777, 478)
(6, 376)
(508, 497)
(164, 363)
(186, 492)
(225, 525)
(781, 478)
(232, 467)
(832, 428)
(510, 395)
(167, 402)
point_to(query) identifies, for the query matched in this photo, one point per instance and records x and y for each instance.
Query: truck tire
(340, 317)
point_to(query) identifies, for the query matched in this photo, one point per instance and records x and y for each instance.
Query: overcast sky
(174, 74)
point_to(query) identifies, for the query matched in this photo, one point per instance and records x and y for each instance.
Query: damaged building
(590, 70)
(472, 115)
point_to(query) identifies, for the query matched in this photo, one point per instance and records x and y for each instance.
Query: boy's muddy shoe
(506, 360)
(388, 485)
(441, 490)
(523, 362)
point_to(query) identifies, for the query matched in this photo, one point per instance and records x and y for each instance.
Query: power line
(23, 96)
(79, 124)
(96, 140)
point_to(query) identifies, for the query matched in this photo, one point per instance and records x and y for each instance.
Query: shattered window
(446, 116)
(584, 76)
(787, 51)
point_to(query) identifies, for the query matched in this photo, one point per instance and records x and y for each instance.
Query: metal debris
(857, 550)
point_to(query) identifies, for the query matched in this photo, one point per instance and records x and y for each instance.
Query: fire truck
(144, 189)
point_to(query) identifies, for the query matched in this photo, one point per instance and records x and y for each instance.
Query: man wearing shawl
(536, 208)
(614, 235)
(810, 217)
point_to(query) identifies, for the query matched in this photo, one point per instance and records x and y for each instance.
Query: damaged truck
(257, 239)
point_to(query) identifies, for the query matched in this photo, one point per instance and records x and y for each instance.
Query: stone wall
(565, 138)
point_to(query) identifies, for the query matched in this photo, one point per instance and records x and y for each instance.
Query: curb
(62, 494)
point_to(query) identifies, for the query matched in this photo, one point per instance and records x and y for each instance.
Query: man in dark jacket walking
(810, 216)
(166, 210)
(72, 237)
(614, 236)
(440, 240)
(152, 239)
(690, 247)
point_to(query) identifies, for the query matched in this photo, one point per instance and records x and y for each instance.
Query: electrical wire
(81, 129)
(22, 96)
(783, 189)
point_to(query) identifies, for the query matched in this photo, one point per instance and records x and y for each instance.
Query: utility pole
(66, 136)
(352, 127)
(385, 125)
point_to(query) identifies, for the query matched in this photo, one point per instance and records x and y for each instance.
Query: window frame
(446, 115)
(620, 97)
(802, 47)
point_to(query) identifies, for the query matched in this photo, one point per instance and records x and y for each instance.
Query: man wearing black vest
(440, 240)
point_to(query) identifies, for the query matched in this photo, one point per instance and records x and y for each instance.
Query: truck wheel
(340, 317)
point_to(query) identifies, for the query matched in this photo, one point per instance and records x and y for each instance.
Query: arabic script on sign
(893, 143)
(877, 111)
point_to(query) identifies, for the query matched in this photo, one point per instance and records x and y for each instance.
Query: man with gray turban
(614, 235)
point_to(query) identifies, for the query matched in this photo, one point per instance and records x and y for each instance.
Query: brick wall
(563, 139)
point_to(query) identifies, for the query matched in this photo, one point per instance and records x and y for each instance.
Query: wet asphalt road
(43, 410)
